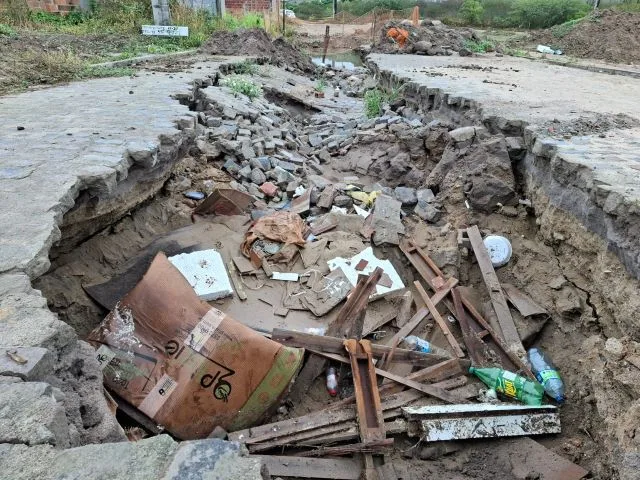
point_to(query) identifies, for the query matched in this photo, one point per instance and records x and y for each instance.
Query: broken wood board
(421, 387)
(301, 467)
(327, 293)
(378, 446)
(439, 320)
(522, 302)
(328, 344)
(498, 300)
(328, 416)
(475, 347)
(460, 422)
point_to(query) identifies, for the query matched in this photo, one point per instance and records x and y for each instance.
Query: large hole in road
(474, 175)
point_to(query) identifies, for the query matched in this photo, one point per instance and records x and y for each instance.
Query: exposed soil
(256, 42)
(430, 38)
(605, 35)
(546, 270)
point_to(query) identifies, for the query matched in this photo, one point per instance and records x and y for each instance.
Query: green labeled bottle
(510, 384)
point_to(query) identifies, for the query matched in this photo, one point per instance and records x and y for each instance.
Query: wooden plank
(421, 387)
(404, 313)
(377, 446)
(301, 467)
(498, 300)
(328, 416)
(329, 344)
(439, 320)
(367, 396)
(473, 343)
(352, 310)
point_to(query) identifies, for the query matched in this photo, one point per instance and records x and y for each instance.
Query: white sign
(165, 30)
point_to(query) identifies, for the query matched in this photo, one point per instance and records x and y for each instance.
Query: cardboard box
(187, 365)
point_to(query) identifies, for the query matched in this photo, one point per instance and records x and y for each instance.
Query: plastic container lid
(499, 250)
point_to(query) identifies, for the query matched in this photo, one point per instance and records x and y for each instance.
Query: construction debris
(205, 272)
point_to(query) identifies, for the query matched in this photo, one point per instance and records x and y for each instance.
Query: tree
(471, 11)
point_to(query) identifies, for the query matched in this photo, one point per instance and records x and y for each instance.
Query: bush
(314, 9)
(481, 46)
(6, 30)
(362, 7)
(547, 13)
(240, 84)
(471, 11)
(562, 30)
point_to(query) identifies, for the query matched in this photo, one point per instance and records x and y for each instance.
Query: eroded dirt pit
(448, 176)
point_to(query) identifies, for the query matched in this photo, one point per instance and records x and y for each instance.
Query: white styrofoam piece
(361, 211)
(286, 276)
(499, 249)
(205, 272)
(348, 266)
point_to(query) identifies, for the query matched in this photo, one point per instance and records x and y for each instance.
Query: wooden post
(161, 12)
(326, 43)
(415, 16)
(373, 28)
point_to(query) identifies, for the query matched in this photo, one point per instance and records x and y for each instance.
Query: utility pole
(161, 12)
(335, 8)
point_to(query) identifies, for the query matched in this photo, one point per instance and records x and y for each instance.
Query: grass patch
(376, 99)
(480, 46)
(246, 67)
(6, 30)
(562, 30)
(242, 85)
(320, 85)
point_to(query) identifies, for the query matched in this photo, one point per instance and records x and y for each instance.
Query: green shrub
(471, 11)
(240, 84)
(481, 46)
(320, 85)
(361, 7)
(547, 13)
(562, 30)
(313, 9)
(6, 30)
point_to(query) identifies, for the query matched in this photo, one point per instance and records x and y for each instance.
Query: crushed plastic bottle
(421, 345)
(332, 382)
(546, 373)
(510, 384)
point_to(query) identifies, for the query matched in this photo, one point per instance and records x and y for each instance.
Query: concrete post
(161, 13)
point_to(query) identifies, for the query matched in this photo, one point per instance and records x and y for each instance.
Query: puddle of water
(345, 60)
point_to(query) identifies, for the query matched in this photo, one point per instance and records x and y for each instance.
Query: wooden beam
(378, 446)
(498, 300)
(421, 387)
(473, 343)
(328, 344)
(439, 320)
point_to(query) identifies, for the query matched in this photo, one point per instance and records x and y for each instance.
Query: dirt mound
(604, 35)
(256, 42)
(430, 38)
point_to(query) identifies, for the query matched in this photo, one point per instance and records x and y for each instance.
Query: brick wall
(54, 6)
(247, 5)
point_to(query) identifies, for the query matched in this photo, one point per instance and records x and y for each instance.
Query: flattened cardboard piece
(189, 366)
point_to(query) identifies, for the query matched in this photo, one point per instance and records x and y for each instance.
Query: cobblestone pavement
(55, 142)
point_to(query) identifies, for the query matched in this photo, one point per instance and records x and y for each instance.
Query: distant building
(247, 5)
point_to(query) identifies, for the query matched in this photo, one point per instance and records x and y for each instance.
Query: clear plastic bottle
(332, 382)
(547, 374)
(421, 345)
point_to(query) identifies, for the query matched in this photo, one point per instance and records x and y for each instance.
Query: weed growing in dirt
(480, 46)
(246, 67)
(562, 30)
(320, 85)
(6, 30)
(239, 84)
(374, 101)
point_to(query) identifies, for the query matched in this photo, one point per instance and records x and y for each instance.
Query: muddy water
(343, 60)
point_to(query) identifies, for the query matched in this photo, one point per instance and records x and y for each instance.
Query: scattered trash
(510, 384)
(365, 263)
(361, 211)
(332, 382)
(212, 371)
(499, 249)
(283, 227)
(546, 374)
(287, 277)
(419, 344)
(16, 357)
(194, 195)
(205, 272)
(341, 210)
(546, 49)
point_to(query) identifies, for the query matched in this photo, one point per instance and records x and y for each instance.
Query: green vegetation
(375, 99)
(246, 67)
(562, 30)
(240, 84)
(320, 85)
(481, 46)
(6, 30)
(547, 13)
(471, 12)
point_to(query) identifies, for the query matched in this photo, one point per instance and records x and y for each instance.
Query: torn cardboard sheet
(328, 292)
(364, 263)
(205, 272)
(224, 201)
(283, 227)
(186, 365)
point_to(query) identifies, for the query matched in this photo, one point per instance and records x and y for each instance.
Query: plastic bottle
(332, 382)
(510, 384)
(546, 374)
(421, 345)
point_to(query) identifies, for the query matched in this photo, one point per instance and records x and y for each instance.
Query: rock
(178, 184)
(516, 148)
(427, 211)
(210, 151)
(406, 196)
(269, 189)
(32, 414)
(39, 363)
(245, 172)
(214, 121)
(398, 167)
(270, 146)
(386, 222)
(255, 191)
(462, 134)
(425, 195)
(558, 282)
(465, 52)
(156, 457)
(258, 177)
(325, 199)
(282, 177)
(314, 196)
(568, 302)
(614, 348)
(288, 166)
(231, 167)
(246, 150)
(344, 201)
(324, 155)
(291, 188)
(422, 46)
(315, 140)
(263, 163)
